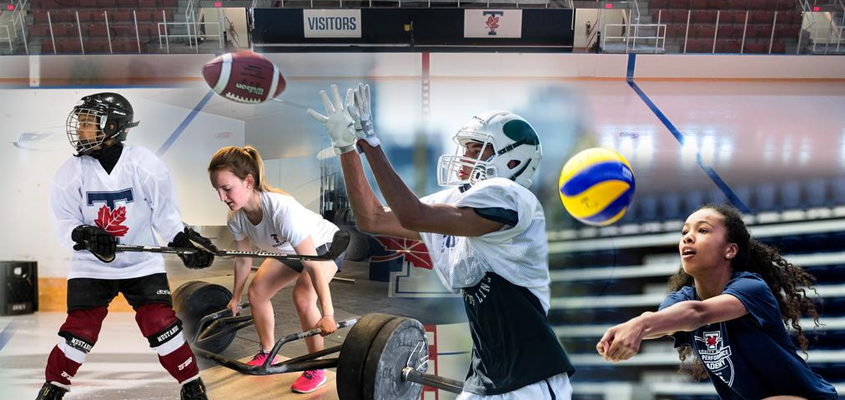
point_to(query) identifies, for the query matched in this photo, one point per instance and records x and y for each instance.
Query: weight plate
(401, 342)
(353, 354)
(194, 300)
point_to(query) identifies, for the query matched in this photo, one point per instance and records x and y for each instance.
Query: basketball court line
(714, 176)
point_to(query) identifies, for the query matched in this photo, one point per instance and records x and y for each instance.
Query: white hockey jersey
(284, 224)
(135, 199)
(518, 253)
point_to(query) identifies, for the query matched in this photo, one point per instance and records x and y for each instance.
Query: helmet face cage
(449, 166)
(90, 122)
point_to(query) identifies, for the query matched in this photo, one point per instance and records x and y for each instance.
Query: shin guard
(159, 324)
(78, 335)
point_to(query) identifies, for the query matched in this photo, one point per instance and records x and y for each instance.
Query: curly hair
(789, 283)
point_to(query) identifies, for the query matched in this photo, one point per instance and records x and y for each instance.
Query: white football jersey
(284, 224)
(135, 199)
(518, 253)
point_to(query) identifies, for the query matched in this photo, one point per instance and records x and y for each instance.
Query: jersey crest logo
(715, 355)
(275, 237)
(110, 217)
(111, 221)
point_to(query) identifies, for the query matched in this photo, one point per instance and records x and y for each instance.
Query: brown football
(244, 77)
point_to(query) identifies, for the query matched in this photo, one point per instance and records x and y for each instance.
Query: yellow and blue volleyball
(597, 186)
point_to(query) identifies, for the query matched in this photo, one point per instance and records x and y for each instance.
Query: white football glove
(361, 113)
(338, 123)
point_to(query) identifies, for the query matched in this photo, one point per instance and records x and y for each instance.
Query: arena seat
(648, 209)
(671, 206)
(764, 195)
(816, 193)
(706, 31)
(838, 191)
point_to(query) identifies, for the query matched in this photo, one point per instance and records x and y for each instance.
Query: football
(244, 77)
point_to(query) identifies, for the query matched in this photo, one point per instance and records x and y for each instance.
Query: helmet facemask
(85, 129)
(450, 167)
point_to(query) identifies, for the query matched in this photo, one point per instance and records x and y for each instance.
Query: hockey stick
(338, 246)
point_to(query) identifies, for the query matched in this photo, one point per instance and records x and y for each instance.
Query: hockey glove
(100, 243)
(362, 115)
(338, 123)
(204, 255)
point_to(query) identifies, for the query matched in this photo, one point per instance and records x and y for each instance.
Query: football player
(486, 235)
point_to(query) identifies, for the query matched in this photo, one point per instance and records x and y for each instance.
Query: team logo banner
(332, 23)
(493, 23)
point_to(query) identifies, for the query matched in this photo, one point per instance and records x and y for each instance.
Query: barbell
(384, 357)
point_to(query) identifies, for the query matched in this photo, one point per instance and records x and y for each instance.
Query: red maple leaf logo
(711, 340)
(413, 251)
(111, 221)
(493, 22)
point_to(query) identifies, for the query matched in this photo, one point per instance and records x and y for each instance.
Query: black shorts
(87, 293)
(298, 267)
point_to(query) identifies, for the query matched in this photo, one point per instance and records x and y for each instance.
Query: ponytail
(242, 162)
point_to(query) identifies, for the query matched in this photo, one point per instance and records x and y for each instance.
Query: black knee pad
(162, 337)
(76, 342)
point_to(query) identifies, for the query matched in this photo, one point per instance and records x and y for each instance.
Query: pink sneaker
(259, 359)
(309, 381)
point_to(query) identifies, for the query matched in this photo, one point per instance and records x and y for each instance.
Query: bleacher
(98, 26)
(730, 26)
(602, 277)
(685, 26)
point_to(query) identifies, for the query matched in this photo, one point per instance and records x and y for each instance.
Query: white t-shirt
(518, 253)
(284, 224)
(135, 199)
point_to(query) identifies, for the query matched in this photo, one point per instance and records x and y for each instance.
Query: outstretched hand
(338, 122)
(362, 115)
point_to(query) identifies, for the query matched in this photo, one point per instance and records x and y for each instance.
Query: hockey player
(274, 221)
(486, 236)
(108, 192)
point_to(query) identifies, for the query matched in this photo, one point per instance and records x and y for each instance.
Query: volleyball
(597, 186)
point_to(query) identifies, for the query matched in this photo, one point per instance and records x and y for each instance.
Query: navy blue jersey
(751, 357)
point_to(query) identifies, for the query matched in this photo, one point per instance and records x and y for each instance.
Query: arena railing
(823, 29)
(88, 39)
(193, 29)
(18, 21)
(411, 3)
(631, 33)
(6, 36)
